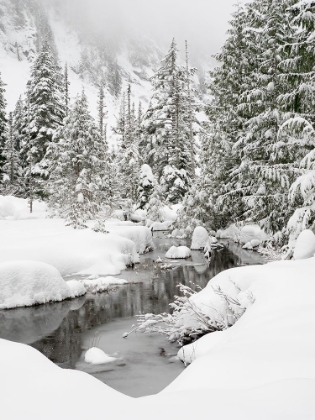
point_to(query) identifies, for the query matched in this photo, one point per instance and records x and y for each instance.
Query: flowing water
(145, 364)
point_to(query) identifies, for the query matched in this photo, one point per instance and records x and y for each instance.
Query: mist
(202, 22)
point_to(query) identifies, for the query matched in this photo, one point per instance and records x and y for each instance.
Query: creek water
(145, 362)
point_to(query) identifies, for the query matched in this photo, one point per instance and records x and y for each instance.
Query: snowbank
(13, 208)
(199, 238)
(96, 356)
(161, 226)
(261, 368)
(269, 343)
(68, 250)
(242, 235)
(140, 235)
(27, 283)
(305, 245)
(101, 284)
(180, 252)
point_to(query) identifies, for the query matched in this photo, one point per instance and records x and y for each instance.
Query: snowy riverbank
(262, 367)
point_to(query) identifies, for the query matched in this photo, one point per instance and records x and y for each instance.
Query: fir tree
(45, 109)
(3, 126)
(13, 180)
(146, 186)
(77, 167)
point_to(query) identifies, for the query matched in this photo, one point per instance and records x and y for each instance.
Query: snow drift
(27, 283)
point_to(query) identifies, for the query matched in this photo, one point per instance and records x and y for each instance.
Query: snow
(305, 245)
(101, 284)
(242, 235)
(140, 235)
(180, 252)
(96, 356)
(27, 283)
(261, 368)
(199, 238)
(68, 250)
(254, 243)
(161, 226)
(13, 208)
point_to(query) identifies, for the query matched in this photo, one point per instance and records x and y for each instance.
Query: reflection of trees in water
(63, 344)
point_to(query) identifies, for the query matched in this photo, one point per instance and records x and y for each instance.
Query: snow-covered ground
(27, 283)
(261, 368)
(35, 251)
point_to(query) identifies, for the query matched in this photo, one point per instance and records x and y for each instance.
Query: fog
(202, 22)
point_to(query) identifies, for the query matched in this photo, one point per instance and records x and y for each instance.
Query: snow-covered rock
(199, 238)
(101, 284)
(140, 235)
(305, 245)
(96, 356)
(27, 283)
(180, 252)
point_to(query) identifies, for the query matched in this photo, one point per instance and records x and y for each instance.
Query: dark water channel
(145, 363)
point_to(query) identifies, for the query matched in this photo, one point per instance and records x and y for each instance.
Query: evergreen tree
(3, 126)
(13, 180)
(45, 109)
(146, 186)
(168, 139)
(77, 167)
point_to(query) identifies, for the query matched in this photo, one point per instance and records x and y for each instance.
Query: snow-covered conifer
(77, 167)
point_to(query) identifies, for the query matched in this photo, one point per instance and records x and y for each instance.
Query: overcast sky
(202, 22)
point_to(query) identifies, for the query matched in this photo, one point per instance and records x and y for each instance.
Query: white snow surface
(140, 235)
(261, 368)
(97, 356)
(27, 283)
(242, 235)
(34, 237)
(305, 245)
(199, 238)
(180, 252)
(161, 226)
(101, 284)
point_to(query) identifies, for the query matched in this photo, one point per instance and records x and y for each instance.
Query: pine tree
(168, 139)
(128, 155)
(3, 125)
(146, 186)
(45, 110)
(77, 167)
(66, 90)
(13, 180)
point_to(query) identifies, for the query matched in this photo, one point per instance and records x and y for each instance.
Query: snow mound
(175, 252)
(96, 356)
(68, 250)
(140, 235)
(101, 284)
(171, 213)
(161, 226)
(199, 238)
(305, 245)
(179, 234)
(254, 243)
(242, 235)
(27, 283)
(13, 208)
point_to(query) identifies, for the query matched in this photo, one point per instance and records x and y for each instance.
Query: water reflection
(63, 331)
